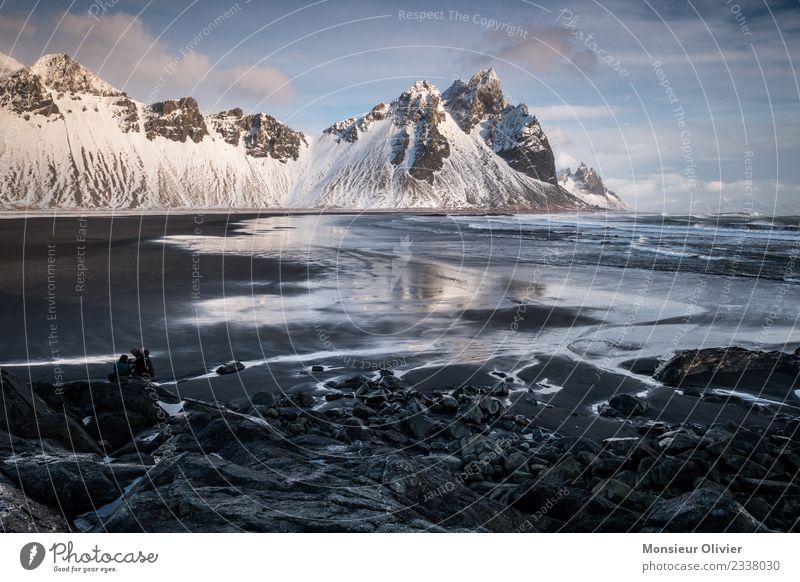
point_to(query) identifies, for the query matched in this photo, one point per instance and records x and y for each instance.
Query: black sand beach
(196, 308)
(563, 346)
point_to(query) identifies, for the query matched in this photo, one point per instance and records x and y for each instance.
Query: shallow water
(422, 292)
(405, 286)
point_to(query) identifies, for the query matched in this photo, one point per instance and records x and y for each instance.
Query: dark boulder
(24, 414)
(230, 368)
(701, 511)
(21, 514)
(73, 483)
(624, 405)
(264, 399)
(690, 364)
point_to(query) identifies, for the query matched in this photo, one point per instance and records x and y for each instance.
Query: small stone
(624, 405)
(675, 441)
(263, 399)
(376, 397)
(474, 414)
(448, 403)
(501, 389)
(418, 425)
(363, 411)
(305, 399)
(612, 489)
(230, 368)
(516, 461)
(390, 382)
(394, 436)
(457, 430)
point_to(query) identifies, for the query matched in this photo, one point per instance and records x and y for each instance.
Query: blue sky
(719, 110)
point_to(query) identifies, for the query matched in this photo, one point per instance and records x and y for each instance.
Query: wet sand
(196, 310)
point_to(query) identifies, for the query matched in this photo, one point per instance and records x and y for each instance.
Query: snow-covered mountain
(587, 185)
(71, 140)
(418, 152)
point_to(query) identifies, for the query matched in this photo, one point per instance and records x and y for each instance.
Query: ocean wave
(676, 253)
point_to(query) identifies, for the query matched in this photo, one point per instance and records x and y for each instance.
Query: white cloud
(674, 193)
(123, 52)
(573, 112)
(261, 82)
(565, 160)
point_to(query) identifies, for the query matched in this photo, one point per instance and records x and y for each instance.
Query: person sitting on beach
(150, 370)
(139, 366)
(122, 369)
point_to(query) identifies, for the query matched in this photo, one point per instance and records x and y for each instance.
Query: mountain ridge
(466, 147)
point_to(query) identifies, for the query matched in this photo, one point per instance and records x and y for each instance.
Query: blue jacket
(122, 368)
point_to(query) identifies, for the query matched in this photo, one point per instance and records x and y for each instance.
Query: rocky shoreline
(371, 454)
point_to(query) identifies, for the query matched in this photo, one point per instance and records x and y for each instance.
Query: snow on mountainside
(411, 153)
(511, 131)
(587, 185)
(71, 140)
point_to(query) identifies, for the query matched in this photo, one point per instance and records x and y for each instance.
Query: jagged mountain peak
(420, 102)
(587, 185)
(61, 73)
(422, 87)
(590, 178)
(471, 102)
(510, 130)
(486, 75)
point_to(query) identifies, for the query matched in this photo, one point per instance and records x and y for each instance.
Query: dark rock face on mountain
(416, 115)
(474, 101)
(511, 131)
(518, 138)
(420, 107)
(176, 120)
(127, 115)
(23, 93)
(266, 136)
(263, 135)
(227, 124)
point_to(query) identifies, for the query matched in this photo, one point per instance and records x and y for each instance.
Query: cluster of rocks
(368, 453)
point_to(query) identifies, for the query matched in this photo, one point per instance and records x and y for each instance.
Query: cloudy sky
(679, 104)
